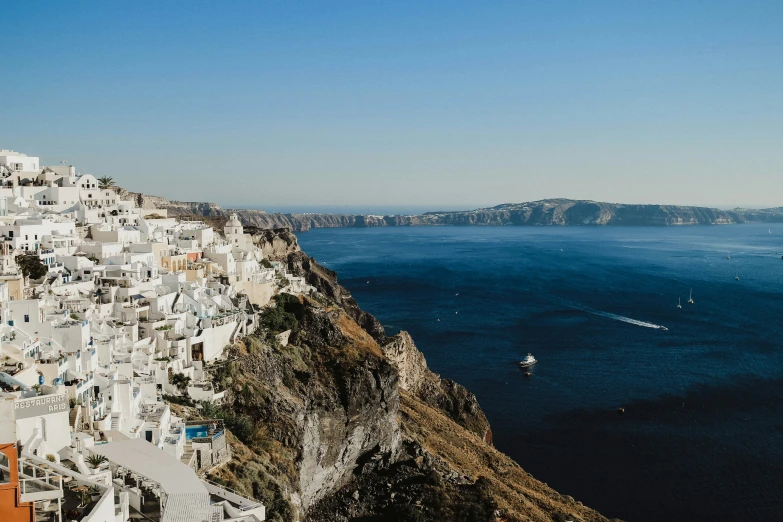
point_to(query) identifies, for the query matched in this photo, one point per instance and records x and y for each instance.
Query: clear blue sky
(404, 103)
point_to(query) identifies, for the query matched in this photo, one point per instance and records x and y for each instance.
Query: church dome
(233, 222)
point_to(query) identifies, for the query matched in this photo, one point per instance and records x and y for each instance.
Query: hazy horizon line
(394, 209)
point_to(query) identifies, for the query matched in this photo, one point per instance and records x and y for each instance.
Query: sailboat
(679, 305)
(690, 299)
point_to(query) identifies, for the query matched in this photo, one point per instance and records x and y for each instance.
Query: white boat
(690, 299)
(679, 304)
(736, 278)
(528, 361)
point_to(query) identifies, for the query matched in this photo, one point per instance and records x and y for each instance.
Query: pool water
(195, 431)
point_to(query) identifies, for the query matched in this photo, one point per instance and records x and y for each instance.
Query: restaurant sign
(41, 405)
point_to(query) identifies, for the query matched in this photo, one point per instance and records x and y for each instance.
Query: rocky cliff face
(318, 406)
(325, 281)
(347, 423)
(276, 244)
(452, 399)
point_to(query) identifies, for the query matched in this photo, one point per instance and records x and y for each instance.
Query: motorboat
(679, 304)
(528, 361)
(690, 299)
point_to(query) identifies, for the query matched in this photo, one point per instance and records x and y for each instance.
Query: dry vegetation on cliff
(347, 424)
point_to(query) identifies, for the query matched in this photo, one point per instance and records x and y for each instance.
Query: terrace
(157, 482)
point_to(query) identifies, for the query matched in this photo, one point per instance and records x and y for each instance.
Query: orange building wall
(11, 509)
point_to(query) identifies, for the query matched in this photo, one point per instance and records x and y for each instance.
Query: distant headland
(564, 212)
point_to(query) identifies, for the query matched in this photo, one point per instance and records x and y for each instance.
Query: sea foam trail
(616, 317)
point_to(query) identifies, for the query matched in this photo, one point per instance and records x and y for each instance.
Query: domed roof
(233, 221)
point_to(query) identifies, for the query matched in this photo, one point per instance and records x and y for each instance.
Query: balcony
(38, 483)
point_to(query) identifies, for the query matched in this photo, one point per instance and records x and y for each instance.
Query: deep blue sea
(702, 433)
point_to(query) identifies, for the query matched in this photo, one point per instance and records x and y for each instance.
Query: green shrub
(95, 460)
(181, 381)
(278, 320)
(31, 266)
(237, 423)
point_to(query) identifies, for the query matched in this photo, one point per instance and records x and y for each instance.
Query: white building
(128, 308)
(18, 162)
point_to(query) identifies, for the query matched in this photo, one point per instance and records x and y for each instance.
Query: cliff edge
(345, 423)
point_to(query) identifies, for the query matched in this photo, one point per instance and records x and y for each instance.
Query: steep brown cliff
(445, 395)
(316, 407)
(347, 424)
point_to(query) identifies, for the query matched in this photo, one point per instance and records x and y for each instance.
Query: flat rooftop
(143, 458)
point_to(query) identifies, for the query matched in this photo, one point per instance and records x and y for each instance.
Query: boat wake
(616, 317)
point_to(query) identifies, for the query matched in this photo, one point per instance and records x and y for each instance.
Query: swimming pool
(198, 430)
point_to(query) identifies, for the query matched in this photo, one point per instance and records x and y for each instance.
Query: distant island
(542, 213)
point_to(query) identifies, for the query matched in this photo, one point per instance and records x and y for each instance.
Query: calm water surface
(702, 436)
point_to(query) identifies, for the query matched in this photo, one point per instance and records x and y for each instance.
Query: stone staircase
(74, 417)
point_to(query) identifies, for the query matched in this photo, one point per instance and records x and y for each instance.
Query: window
(36, 236)
(26, 237)
(26, 318)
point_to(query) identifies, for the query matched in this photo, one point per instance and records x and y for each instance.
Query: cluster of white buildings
(133, 307)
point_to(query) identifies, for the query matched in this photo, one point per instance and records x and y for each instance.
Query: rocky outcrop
(409, 362)
(276, 244)
(443, 394)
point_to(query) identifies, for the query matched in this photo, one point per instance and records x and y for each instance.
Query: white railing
(241, 502)
(38, 483)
